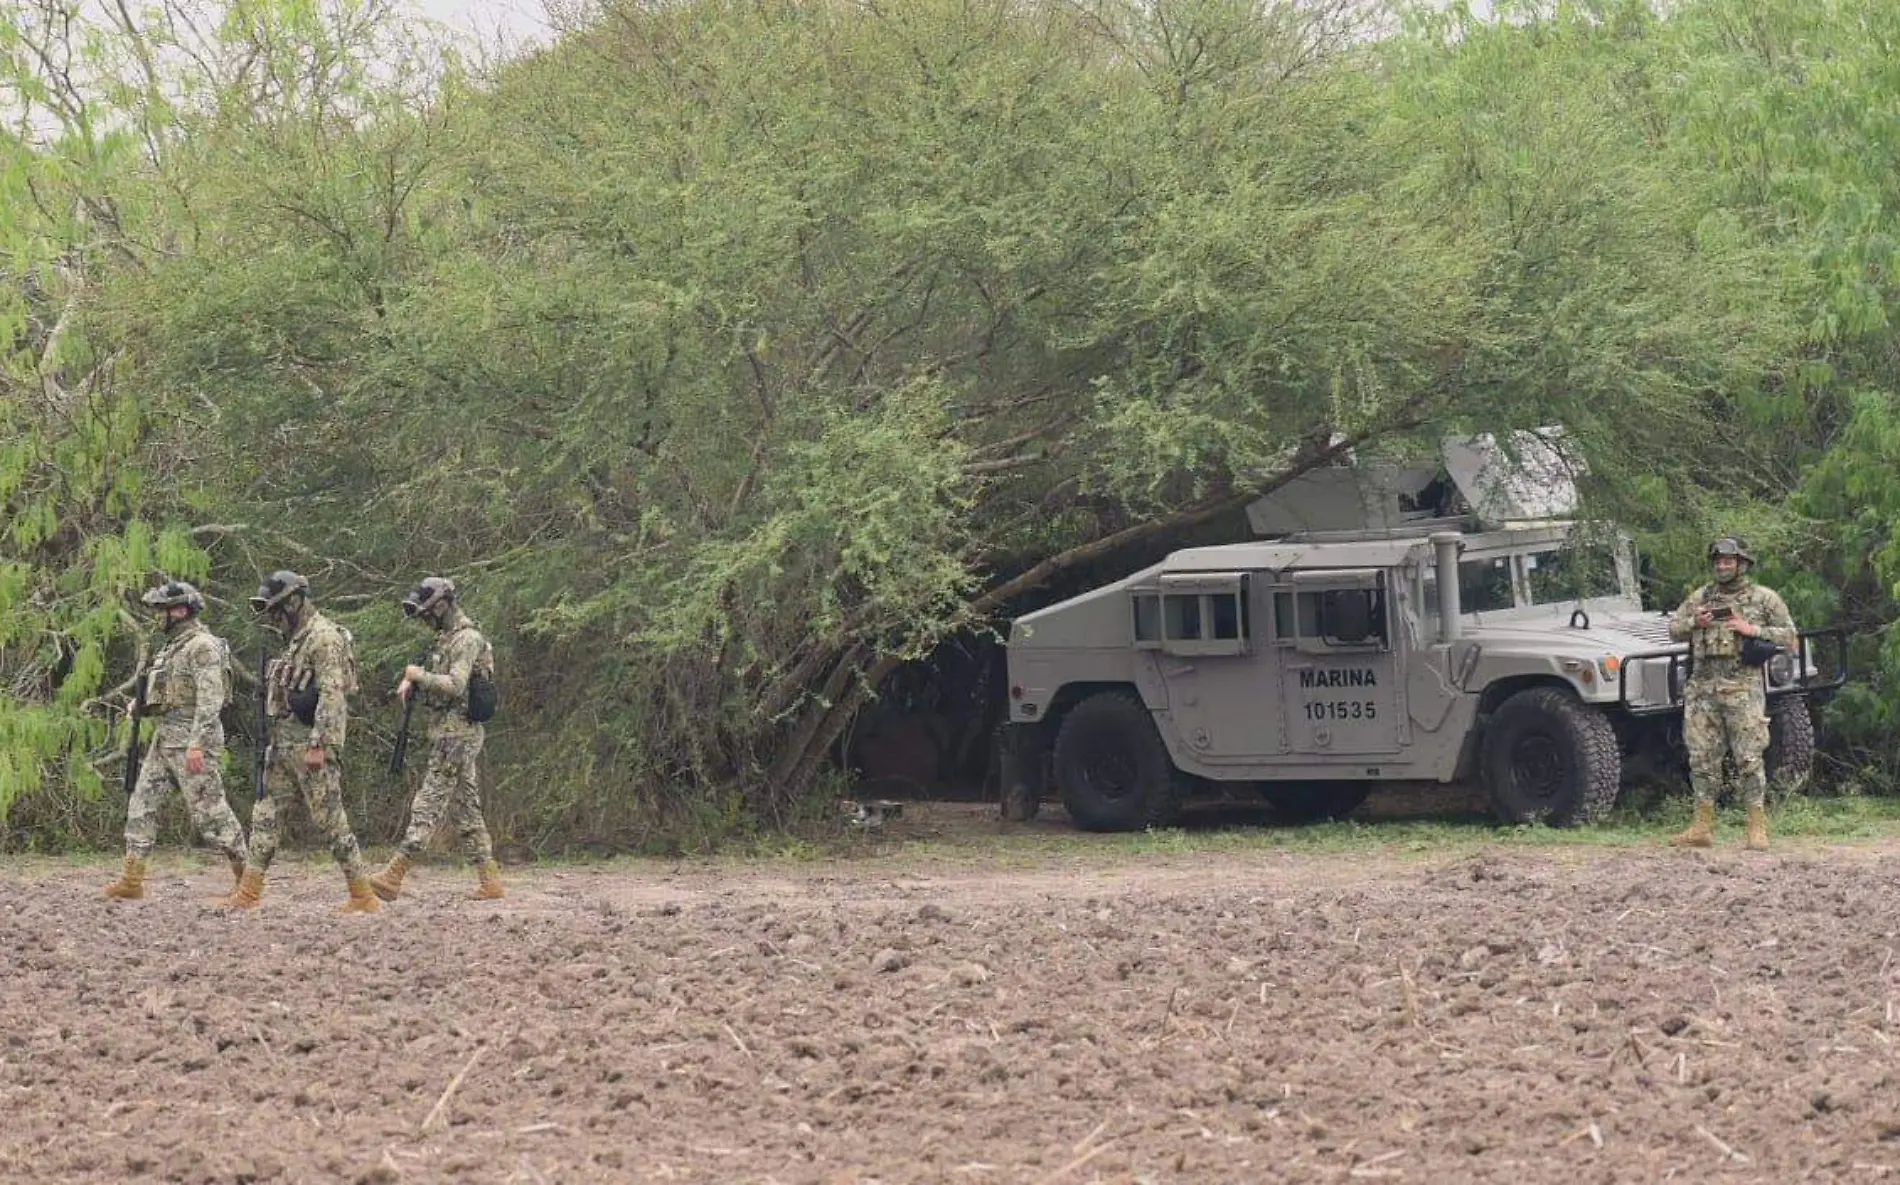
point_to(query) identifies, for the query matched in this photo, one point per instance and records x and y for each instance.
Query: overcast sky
(513, 21)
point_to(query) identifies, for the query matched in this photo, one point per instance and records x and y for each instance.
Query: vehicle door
(1222, 688)
(1341, 687)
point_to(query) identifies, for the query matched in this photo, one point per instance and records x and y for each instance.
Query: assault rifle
(260, 754)
(132, 735)
(401, 750)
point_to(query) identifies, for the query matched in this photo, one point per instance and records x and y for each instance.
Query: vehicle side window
(1335, 617)
(1181, 616)
(1147, 607)
(1195, 615)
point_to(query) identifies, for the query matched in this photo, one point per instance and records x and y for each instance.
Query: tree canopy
(731, 355)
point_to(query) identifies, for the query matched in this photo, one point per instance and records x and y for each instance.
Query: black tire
(1790, 756)
(1112, 769)
(1314, 802)
(1550, 756)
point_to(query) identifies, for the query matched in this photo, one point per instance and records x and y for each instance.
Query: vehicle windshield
(1572, 572)
(1560, 574)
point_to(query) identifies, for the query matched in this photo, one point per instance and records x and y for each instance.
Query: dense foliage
(730, 355)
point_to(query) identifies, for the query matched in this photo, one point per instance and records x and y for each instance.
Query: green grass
(1799, 821)
(975, 837)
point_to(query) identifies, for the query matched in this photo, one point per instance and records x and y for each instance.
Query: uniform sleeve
(1682, 624)
(206, 671)
(463, 649)
(1777, 624)
(333, 709)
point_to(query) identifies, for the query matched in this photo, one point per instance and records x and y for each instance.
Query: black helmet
(1733, 545)
(432, 591)
(174, 592)
(277, 588)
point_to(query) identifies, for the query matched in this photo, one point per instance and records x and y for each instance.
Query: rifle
(260, 755)
(401, 750)
(132, 736)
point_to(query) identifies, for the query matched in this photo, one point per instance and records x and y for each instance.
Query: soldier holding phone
(1732, 626)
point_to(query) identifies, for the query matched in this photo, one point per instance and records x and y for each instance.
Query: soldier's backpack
(483, 696)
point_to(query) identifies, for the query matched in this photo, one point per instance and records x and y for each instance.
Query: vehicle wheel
(1790, 756)
(1112, 769)
(1549, 756)
(1313, 802)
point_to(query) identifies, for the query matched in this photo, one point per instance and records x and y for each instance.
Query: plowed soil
(1518, 1015)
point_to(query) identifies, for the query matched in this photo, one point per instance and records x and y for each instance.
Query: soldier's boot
(1701, 830)
(388, 883)
(490, 887)
(237, 879)
(131, 883)
(249, 891)
(362, 897)
(1757, 829)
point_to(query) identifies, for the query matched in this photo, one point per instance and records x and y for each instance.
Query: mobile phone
(1722, 613)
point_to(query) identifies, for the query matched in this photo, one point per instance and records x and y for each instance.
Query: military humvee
(1426, 626)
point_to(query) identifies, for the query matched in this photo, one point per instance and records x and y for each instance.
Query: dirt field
(1537, 1015)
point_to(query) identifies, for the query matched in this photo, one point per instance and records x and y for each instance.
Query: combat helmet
(1733, 545)
(428, 593)
(174, 592)
(277, 588)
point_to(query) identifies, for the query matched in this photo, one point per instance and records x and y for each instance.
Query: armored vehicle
(1389, 643)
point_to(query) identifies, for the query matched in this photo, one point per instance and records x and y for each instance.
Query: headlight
(1781, 669)
(1678, 679)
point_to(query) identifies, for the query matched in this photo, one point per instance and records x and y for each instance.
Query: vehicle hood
(1546, 629)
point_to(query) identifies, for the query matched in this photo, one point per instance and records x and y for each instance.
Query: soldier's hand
(1704, 618)
(313, 759)
(1744, 627)
(403, 689)
(413, 673)
(194, 760)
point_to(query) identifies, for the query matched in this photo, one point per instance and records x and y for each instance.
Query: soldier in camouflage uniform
(1725, 705)
(450, 791)
(187, 685)
(307, 699)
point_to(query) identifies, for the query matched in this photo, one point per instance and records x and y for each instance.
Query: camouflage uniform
(319, 654)
(187, 685)
(1725, 706)
(450, 787)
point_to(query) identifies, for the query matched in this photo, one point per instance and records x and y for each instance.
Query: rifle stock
(132, 737)
(397, 754)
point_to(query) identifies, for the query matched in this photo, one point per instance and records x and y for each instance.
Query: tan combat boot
(388, 882)
(237, 881)
(490, 888)
(362, 897)
(1701, 830)
(131, 883)
(1757, 829)
(249, 891)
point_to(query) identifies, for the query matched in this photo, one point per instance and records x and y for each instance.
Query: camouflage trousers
(322, 794)
(450, 793)
(1726, 720)
(164, 771)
